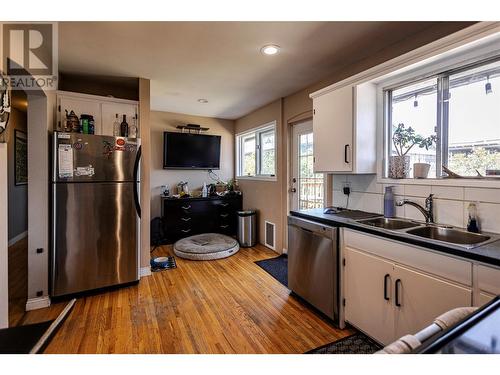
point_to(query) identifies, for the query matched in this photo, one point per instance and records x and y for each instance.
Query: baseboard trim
(18, 238)
(37, 303)
(145, 271)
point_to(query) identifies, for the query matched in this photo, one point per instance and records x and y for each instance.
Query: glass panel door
(307, 186)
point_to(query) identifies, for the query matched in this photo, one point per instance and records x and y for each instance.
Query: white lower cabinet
(366, 307)
(420, 298)
(387, 299)
(487, 284)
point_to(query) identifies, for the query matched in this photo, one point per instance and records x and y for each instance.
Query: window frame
(257, 133)
(442, 113)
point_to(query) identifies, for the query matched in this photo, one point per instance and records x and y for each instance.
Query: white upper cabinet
(103, 109)
(344, 128)
(80, 106)
(109, 112)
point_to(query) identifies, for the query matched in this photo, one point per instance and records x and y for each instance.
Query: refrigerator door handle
(136, 182)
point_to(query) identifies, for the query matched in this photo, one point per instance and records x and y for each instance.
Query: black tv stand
(184, 217)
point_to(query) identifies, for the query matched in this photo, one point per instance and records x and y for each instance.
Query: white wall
(4, 268)
(450, 204)
(166, 121)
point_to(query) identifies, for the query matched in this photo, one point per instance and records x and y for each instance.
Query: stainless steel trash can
(247, 228)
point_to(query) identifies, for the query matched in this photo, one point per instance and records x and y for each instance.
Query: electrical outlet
(347, 188)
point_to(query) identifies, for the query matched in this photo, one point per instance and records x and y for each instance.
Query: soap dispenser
(473, 222)
(389, 202)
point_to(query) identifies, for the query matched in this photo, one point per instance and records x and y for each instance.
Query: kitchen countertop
(488, 253)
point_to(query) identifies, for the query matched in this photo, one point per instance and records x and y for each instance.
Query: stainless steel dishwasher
(313, 264)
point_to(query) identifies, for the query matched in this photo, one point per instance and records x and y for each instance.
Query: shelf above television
(192, 128)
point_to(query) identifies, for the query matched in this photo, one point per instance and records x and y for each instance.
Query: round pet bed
(206, 246)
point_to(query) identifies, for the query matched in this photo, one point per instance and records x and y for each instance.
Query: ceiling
(221, 61)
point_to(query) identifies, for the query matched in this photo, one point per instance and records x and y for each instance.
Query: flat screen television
(191, 151)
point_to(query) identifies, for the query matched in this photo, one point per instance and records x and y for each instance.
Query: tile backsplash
(450, 202)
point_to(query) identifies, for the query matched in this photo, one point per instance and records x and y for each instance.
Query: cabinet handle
(345, 154)
(397, 284)
(186, 207)
(224, 215)
(185, 218)
(224, 226)
(185, 230)
(386, 278)
(224, 204)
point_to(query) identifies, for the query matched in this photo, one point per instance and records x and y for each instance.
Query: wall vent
(270, 237)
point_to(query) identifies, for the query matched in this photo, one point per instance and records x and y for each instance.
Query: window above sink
(456, 111)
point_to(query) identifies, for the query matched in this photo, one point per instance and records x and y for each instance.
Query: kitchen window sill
(442, 182)
(259, 178)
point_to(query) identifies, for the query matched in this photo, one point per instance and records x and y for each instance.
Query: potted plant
(404, 139)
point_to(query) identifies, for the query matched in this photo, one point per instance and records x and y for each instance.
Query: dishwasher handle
(312, 227)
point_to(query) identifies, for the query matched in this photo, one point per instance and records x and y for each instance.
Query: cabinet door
(422, 298)
(483, 298)
(369, 305)
(109, 112)
(80, 106)
(333, 131)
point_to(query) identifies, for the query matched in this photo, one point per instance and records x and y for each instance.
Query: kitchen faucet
(428, 211)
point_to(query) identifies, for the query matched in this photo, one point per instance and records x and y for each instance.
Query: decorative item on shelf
(192, 128)
(124, 127)
(204, 190)
(87, 124)
(71, 123)
(132, 133)
(404, 139)
(183, 189)
(116, 126)
(220, 187)
(230, 185)
(493, 172)
(20, 157)
(211, 189)
(4, 110)
(421, 170)
(451, 174)
(165, 190)
(473, 221)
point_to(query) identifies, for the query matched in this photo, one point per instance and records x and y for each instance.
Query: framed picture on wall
(20, 157)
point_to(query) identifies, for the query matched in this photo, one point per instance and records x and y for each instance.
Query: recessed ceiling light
(202, 101)
(270, 49)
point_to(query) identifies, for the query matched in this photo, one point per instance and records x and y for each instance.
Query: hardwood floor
(224, 306)
(18, 281)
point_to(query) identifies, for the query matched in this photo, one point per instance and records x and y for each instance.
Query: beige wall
(144, 116)
(266, 196)
(298, 106)
(167, 121)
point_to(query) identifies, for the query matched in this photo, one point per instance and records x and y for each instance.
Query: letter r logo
(27, 48)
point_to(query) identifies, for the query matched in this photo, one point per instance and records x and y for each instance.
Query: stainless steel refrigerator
(95, 212)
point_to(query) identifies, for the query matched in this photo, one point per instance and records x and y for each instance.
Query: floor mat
(358, 343)
(21, 339)
(276, 267)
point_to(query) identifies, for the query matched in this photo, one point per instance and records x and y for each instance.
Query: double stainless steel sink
(432, 232)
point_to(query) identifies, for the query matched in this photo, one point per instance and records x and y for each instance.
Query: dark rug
(276, 267)
(21, 339)
(354, 344)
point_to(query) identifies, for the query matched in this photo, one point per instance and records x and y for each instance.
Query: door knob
(293, 190)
